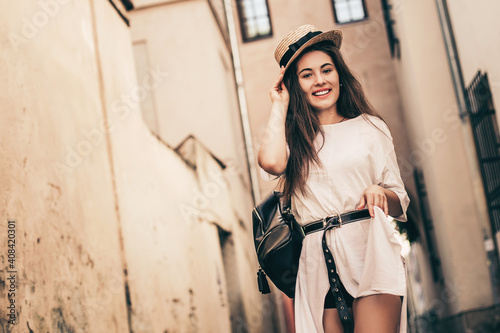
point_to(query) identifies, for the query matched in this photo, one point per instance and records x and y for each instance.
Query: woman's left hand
(374, 195)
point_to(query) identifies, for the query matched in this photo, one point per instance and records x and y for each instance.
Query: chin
(323, 107)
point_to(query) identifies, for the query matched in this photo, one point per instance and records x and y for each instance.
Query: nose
(319, 79)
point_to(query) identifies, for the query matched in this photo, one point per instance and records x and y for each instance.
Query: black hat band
(297, 45)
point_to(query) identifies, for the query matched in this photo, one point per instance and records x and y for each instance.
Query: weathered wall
(163, 250)
(439, 147)
(115, 230)
(55, 173)
(198, 98)
(477, 34)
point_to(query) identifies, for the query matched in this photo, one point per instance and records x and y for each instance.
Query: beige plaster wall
(56, 183)
(162, 249)
(439, 147)
(477, 34)
(198, 98)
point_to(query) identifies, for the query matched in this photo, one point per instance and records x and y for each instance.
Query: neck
(329, 116)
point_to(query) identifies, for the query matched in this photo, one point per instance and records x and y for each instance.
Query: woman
(334, 155)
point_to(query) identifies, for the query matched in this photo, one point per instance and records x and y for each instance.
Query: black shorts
(330, 300)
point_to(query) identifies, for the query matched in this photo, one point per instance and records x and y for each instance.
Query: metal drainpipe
(453, 60)
(247, 136)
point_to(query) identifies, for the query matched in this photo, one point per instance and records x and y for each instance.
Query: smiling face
(319, 80)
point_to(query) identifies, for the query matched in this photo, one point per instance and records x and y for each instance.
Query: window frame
(352, 21)
(244, 32)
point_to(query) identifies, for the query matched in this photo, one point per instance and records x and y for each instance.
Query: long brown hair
(302, 124)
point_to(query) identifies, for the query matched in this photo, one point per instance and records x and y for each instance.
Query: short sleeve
(390, 177)
(269, 177)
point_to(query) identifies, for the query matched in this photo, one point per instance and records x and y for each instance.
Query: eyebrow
(309, 69)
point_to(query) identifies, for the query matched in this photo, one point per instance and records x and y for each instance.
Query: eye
(326, 71)
(305, 76)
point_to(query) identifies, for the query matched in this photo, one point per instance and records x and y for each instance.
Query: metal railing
(487, 140)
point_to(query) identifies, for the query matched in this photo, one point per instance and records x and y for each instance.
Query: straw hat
(296, 41)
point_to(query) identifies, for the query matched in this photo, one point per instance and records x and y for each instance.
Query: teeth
(324, 92)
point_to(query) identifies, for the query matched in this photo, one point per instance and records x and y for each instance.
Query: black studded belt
(333, 222)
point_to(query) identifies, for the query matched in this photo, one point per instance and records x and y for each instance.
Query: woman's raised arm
(273, 156)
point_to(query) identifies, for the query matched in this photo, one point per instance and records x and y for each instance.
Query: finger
(370, 206)
(277, 85)
(361, 203)
(379, 201)
(382, 202)
(279, 79)
(383, 206)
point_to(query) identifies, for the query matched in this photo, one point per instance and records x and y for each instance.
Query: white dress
(367, 254)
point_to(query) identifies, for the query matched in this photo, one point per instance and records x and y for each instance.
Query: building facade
(447, 74)
(130, 130)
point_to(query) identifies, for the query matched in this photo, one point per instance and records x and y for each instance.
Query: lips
(321, 93)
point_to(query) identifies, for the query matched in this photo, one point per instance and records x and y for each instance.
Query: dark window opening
(430, 237)
(255, 21)
(347, 11)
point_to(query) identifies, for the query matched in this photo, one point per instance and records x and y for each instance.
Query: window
(255, 21)
(349, 10)
(428, 224)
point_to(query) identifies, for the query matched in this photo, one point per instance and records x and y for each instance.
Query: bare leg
(331, 321)
(377, 314)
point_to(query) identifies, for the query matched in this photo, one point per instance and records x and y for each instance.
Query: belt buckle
(335, 227)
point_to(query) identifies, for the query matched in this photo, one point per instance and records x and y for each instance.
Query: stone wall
(110, 235)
